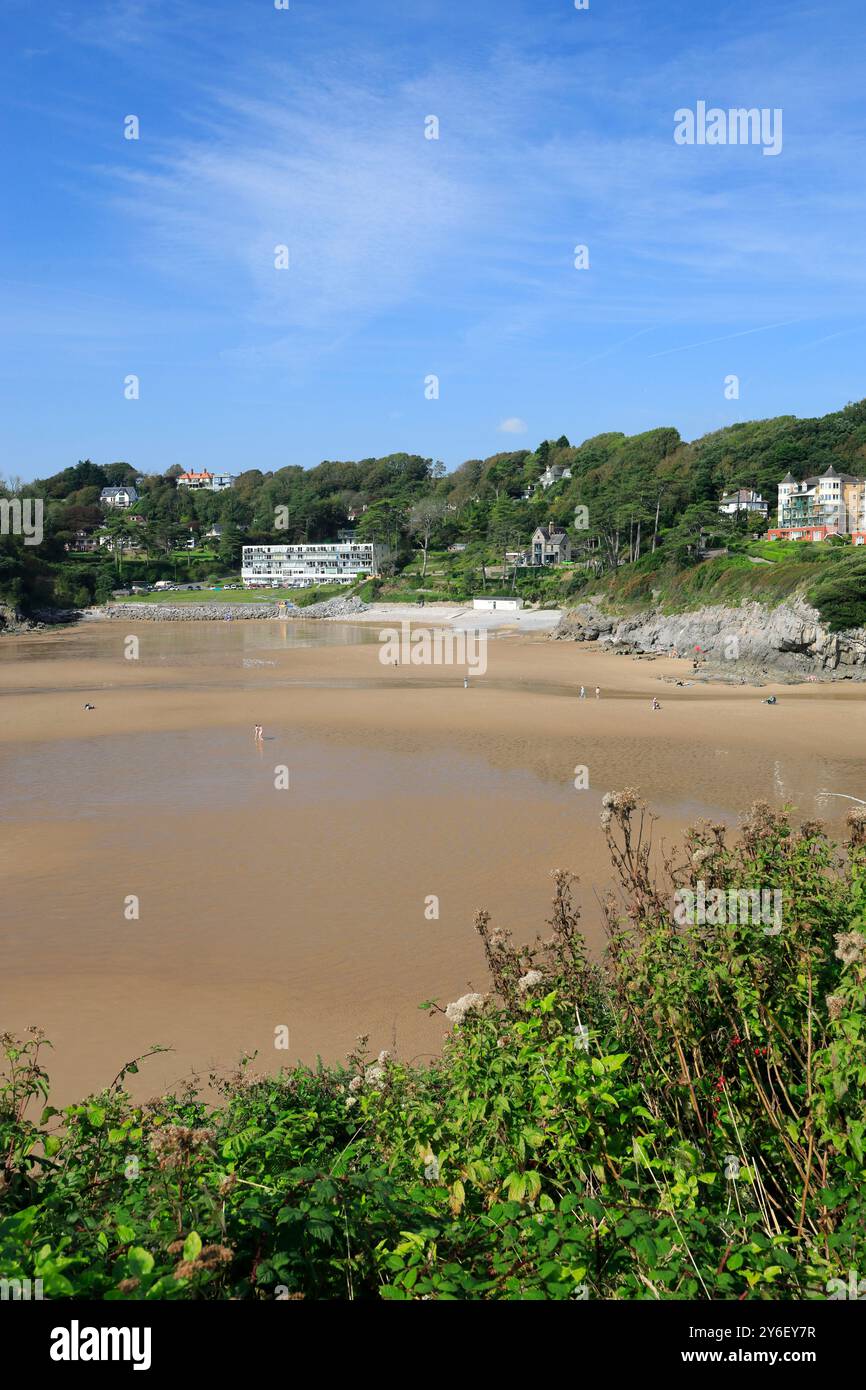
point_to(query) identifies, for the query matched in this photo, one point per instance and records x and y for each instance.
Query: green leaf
(615, 1060)
(192, 1246)
(532, 1184)
(646, 1247)
(95, 1116)
(139, 1260)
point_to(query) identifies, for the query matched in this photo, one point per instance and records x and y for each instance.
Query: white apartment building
(830, 504)
(297, 566)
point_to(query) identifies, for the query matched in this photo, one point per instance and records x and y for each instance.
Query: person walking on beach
(597, 692)
(583, 692)
(259, 733)
(465, 682)
(656, 704)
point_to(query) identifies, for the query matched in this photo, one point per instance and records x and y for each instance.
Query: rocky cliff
(752, 639)
(13, 620)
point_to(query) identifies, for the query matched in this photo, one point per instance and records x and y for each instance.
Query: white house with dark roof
(743, 499)
(122, 496)
(554, 473)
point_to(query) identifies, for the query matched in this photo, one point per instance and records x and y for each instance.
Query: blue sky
(408, 256)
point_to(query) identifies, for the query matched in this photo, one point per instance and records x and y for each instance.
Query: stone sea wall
(221, 612)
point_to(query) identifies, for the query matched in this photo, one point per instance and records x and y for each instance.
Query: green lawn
(804, 551)
(208, 595)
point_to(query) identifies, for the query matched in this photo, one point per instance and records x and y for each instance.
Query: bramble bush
(682, 1120)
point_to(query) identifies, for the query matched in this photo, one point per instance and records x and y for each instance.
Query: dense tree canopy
(640, 493)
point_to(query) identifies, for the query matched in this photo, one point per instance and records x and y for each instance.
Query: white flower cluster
(372, 1076)
(466, 1004)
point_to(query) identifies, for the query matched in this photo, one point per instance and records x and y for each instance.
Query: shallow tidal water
(179, 884)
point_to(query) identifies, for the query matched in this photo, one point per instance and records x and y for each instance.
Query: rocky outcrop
(10, 618)
(586, 623)
(751, 639)
(13, 620)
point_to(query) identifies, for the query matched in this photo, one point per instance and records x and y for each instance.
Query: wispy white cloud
(481, 222)
(342, 177)
(513, 425)
(116, 25)
(726, 337)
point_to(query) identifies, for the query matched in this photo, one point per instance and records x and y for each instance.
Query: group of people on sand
(656, 704)
(582, 696)
(259, 734)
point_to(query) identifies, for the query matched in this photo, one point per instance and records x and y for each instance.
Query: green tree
(230, 544)
(424, 519)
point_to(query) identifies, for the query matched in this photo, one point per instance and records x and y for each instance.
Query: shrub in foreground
(684, 1119)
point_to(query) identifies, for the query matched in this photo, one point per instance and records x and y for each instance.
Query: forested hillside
(646, 495)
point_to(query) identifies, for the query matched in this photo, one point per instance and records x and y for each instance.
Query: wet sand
(260, 906)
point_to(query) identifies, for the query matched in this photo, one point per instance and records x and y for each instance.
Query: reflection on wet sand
(261, 905)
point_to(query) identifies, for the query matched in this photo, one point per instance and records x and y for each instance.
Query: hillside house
(550, 545)
(743, 499)
(205, 481)
(120, 497)
(554, 473)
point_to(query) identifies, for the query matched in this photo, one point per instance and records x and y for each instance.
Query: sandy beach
(262, 904)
